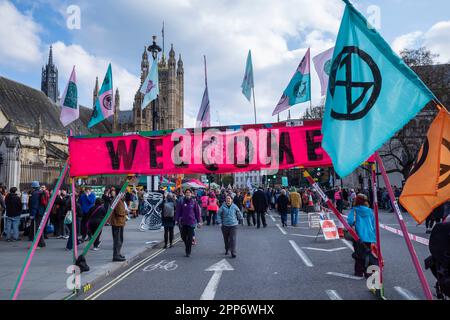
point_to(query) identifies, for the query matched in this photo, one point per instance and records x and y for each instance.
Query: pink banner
(209, 150)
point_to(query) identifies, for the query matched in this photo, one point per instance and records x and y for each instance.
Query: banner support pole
(37, 236)
(398, 214)
(377, 226)
(330, 204)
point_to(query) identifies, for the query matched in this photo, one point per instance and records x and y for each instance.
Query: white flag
(322, 63)
(69, 101)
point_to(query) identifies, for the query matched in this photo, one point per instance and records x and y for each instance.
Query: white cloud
(407, 41)
(19, 37)
(88, 67)
(436, 39)
(277, 32)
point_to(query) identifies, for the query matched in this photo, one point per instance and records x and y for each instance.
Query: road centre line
(301, 254)
(348, 244)
(333, 295)
(408, 295)
(126, 273)
(281, 229)
(342, 275)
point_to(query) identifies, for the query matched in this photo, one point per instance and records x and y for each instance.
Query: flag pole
(398, 214)
(377, 226)
(254, 102)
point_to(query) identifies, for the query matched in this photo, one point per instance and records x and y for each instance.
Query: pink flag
(69, 101)
(322, 63)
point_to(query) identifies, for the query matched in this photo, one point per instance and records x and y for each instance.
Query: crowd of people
(227, 208)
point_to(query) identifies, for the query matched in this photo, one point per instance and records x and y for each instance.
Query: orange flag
(428, 185)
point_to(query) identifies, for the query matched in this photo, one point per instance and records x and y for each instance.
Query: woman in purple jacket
(188, 217)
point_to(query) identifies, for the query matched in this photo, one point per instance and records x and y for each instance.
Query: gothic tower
(169, 106)
(49, 80)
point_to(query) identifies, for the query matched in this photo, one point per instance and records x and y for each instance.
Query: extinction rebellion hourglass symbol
(349, 83)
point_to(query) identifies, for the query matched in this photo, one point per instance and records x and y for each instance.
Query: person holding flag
(299, 88)
(371, 95)
(69, 101)
(104, 105)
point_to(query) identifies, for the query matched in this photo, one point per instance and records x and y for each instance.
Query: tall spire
(95, 95)
(49, 79)
(50, 56)
(172, 61)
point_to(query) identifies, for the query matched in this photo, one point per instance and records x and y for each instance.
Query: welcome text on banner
(231, 149)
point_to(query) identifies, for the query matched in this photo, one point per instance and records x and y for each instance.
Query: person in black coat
(79, 213)
(95, 216)
(260, 203)
(282, 207)
(168, 219)
(13, 210)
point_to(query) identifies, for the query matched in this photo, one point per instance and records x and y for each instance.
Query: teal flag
(248, 83)
(104, 105)
(150, 87)
(371, 94)
(299, 88)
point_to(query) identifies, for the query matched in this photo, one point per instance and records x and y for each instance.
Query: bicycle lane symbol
(163, 265)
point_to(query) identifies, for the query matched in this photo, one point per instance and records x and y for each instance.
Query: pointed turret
(180, 65)
(172, 61)
(50, 57)
(116, 111)
(95, 93)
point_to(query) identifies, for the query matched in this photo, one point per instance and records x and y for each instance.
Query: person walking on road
(168, 219)
(36, 217)
(204, 203)
(188, 217)
(118, 220)
(261, 206)
(295, 201)
(282, 207)
(212, 208)
(362, 218)
(249, 209)
(229, 216)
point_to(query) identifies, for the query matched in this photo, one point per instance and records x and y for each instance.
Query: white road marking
(126, 273)
(210, 291)
(325, 250)
(281, 229)
(408, 295)
(343, 275)
(301, 254)
(348, 244)
(271, 217)
(333, 295)
(306, 236)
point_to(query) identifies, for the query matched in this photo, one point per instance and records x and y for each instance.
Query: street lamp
(154, 49)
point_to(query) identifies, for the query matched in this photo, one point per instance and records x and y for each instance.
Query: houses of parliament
(34, 143)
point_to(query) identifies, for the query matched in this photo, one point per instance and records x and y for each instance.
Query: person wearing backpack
(229, 217)
(249, 209)
(168, 219)
(94, 220)
(212, 209)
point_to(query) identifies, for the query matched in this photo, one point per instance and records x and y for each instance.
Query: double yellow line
(125, 274)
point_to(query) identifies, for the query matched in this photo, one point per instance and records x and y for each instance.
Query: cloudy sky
(277, 32)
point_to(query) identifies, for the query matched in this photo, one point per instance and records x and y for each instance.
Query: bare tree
(418, 57)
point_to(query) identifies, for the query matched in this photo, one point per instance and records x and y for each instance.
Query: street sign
(329, 229)
(314, 219)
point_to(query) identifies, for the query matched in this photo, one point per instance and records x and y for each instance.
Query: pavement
(46, 278)
(272, 263)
